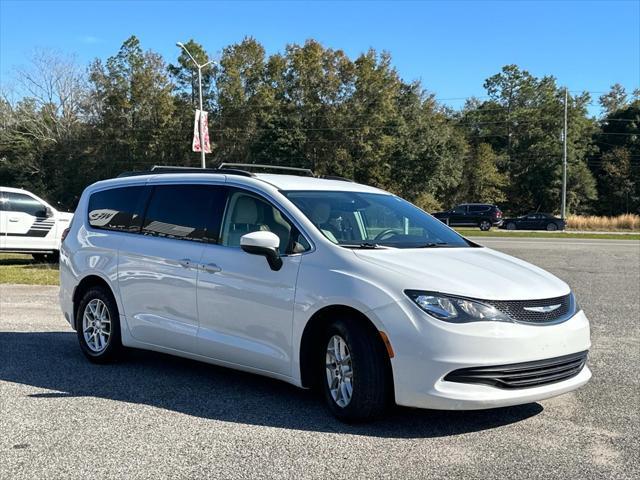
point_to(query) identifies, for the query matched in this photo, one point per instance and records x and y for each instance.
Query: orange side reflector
(387, 344)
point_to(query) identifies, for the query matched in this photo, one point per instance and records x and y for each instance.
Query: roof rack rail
(306, 171)
(335, 177)
(162, 169)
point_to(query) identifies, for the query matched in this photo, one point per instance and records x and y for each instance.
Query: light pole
(200, 124)
(563, 208)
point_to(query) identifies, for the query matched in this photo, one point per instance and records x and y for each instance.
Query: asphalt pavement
(156, 416)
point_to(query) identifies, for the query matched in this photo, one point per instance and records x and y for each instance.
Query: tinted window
(117, 209)
(3, 202)
(248, 213)
(187, 212)
(18, 202)
(460, 209)
(479, 208)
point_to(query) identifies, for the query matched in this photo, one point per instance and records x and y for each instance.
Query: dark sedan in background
(534, 221)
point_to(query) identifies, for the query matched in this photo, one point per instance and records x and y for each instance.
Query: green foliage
(618, 171)
(522, 121)
(315, 107)
(484, 183)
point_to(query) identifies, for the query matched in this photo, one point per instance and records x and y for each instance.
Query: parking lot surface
(155, 416)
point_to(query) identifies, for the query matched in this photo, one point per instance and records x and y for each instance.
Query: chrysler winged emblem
(543, 309)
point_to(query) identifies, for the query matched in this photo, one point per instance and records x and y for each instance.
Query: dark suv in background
(482, 215)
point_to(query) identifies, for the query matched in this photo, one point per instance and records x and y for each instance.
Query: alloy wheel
(96, 325)
(339, 371)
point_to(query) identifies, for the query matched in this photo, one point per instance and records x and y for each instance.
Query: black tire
(39, 257)
(485, 225)
(552, 227)
(52, 257)
(371, 380)
(113, 349)
(511, 226)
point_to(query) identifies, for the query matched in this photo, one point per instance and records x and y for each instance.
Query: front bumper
(426, 350)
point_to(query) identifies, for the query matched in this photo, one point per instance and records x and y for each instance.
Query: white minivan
(28, 224)
(322, 283)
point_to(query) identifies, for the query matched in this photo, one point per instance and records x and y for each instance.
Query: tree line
(314, 107)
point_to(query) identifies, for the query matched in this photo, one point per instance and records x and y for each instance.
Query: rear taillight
(65, 232)
(498, 214)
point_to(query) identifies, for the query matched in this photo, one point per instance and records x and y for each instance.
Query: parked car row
(485, 216)
(321, 283)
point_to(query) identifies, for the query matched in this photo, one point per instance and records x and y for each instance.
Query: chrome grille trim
(516, 309)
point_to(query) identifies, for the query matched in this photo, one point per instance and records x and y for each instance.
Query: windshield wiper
(432, 245)
(363, 245)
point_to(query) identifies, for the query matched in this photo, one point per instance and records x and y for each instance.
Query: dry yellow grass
(628, 222)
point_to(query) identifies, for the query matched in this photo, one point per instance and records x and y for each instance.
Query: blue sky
(450, 46)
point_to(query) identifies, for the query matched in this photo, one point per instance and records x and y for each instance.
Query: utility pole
(200, 123)
(564, 158)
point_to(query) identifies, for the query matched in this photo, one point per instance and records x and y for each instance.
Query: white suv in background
(318, 282)
(28, 224)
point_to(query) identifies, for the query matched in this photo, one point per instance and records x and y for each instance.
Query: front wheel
(485, 225)
(98, 326)
(355, 373)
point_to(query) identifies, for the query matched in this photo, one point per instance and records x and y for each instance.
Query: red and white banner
(205, 130)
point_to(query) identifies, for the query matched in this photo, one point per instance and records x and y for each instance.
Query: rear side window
(19, 202)
(186, 212)
(479, 208)
(117, 209)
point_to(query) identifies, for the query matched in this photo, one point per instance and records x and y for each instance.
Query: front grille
(517, 309)
(522, 375)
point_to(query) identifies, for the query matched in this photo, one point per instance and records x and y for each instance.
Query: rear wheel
(485, 225)
(552, 227)
(354, 371)
(511, 226)
(98, 326)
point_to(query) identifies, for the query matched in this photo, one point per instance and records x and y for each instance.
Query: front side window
(185, 212)
(118, 209)
(248, 213)
(354, 219)
(19, 202)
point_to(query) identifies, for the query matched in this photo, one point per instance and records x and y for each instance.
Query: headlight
(455, 309)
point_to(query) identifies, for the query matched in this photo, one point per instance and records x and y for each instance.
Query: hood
(471, 272)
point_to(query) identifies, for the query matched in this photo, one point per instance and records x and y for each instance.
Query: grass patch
(626, 222)
(475, 232)
(23, 269)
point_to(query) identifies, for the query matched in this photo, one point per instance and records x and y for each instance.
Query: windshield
(370, 220)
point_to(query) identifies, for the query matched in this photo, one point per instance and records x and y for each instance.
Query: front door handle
(14, 219)
(211, 268)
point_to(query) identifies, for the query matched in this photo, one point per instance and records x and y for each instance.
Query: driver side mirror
(49, 212)
(265, 244)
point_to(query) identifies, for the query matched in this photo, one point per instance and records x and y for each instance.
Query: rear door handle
(210, 268)
(185, 262)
